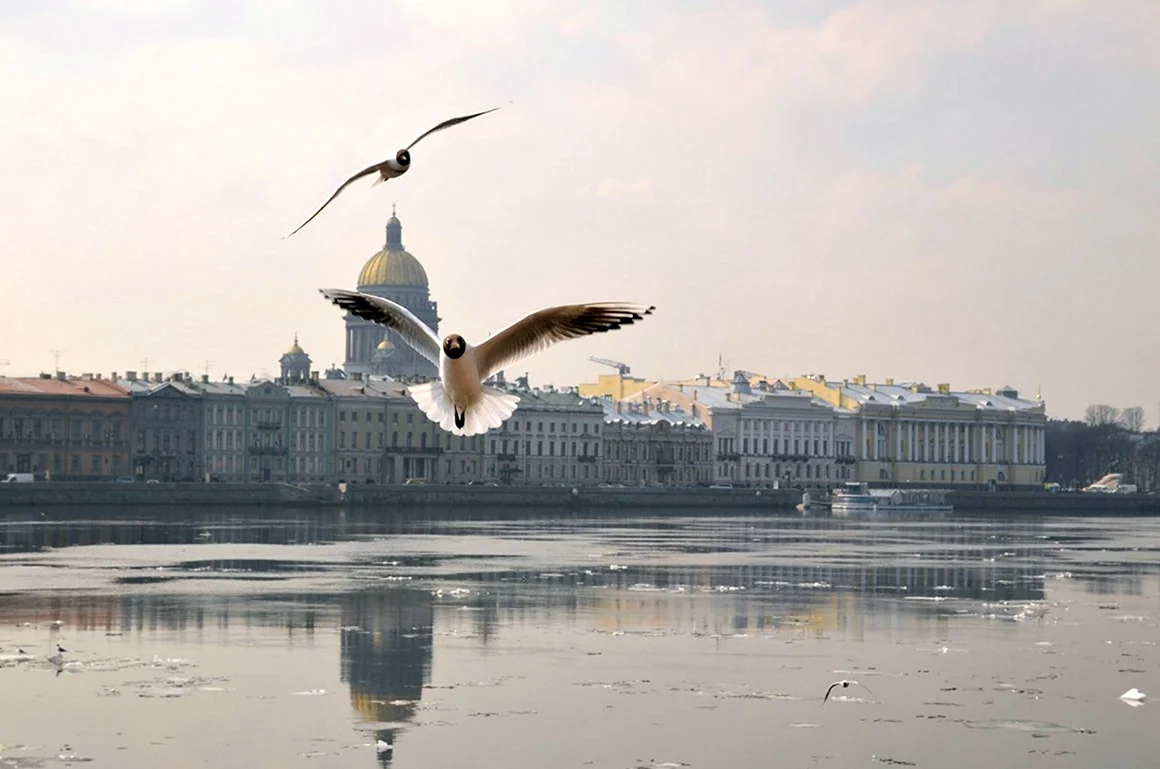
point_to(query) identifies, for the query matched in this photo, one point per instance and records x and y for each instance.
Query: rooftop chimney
(205, 378)
(59, 375)
(131, 376)
(230, 380)
(158, 377)
(356, 376)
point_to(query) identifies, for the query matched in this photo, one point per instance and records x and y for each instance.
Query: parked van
(18, 478)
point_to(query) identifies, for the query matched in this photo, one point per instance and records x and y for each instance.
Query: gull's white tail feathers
(490, 411)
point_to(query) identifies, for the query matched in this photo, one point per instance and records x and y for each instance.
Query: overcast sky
(931, 190)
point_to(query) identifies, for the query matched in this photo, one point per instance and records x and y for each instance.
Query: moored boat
(857, 498)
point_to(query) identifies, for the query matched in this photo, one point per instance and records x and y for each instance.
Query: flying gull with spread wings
(845, 685)
(391, 167)
(458, 401)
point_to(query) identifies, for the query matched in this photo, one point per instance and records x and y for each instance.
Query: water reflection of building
(809, 584)
(387, 645)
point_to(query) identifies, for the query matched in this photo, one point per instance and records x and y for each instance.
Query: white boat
(858, 498)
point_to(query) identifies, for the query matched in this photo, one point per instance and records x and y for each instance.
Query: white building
(766, 433)
(224, 419)
(554, 437)
(311, 453)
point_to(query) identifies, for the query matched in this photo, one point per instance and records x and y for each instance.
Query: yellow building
(615, 386)
(913, 433)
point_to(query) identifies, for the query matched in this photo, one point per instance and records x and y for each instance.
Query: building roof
(355, 388)
(726, 397)
(71, 386)
(222, 388)
(637, 413)
(143, 387)
(552, 398)
(1002, 399)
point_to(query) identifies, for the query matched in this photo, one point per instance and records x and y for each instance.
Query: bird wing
(542, 329)
(837, 683)
(414, 332)
(341, 187)
(448, 124)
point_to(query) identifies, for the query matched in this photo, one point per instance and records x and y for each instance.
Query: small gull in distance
(845, 684)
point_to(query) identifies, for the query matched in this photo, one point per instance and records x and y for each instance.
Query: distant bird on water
(391, 167)
(845, 685)
(458, 401)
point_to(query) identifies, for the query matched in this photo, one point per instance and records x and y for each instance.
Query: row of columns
(954, 442)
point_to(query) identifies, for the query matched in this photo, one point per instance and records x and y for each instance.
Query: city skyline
(926, 191)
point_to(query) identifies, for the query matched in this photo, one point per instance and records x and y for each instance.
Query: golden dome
(392, 268)
(294, 348)
(385, 344)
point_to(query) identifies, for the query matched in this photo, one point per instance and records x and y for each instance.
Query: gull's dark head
(403, 158)
(454, 346)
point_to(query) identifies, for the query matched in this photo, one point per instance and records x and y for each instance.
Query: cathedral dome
(393, 266)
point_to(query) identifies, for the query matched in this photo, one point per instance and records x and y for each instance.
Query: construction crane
(620, 367)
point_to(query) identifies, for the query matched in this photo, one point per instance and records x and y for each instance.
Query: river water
(288, 638)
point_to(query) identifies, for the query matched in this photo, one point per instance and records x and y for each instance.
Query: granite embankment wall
(1054, 504)
(164, 494)
(387, 497)
(468, 498)
(585, 498)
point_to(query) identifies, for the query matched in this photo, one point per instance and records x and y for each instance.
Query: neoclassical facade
(655, 442)
(554, 437)
(394, 274)
(166, 430)
(912, 433)
(765, 434)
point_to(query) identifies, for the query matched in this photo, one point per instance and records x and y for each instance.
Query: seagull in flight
(458, 401)
(391, 167)
(845, 685)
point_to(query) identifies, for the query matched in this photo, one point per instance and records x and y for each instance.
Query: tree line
(1108, 440)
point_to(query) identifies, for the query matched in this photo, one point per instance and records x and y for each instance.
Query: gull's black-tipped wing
(542, 329)
(448, 124)
(365, 172)
(414, 332)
